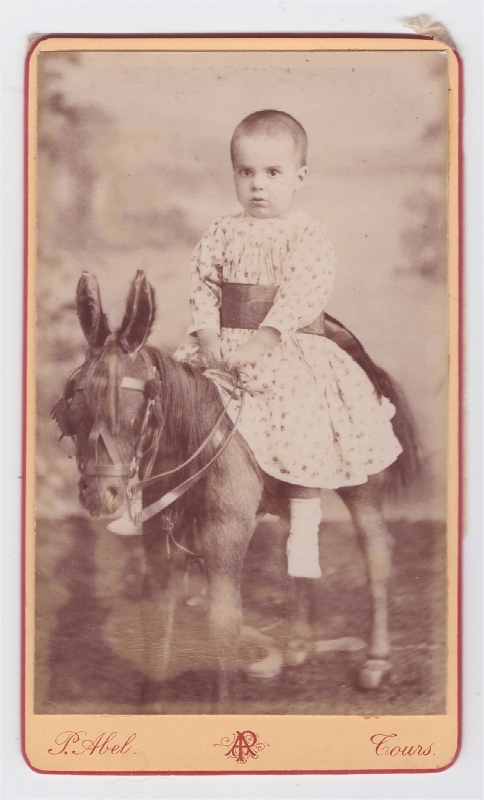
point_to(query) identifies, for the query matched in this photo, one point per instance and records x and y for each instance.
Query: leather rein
(118, 469)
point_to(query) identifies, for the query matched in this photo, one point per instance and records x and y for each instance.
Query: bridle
(130, 471)
(100, 431)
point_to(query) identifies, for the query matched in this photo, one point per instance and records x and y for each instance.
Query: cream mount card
(163, 633)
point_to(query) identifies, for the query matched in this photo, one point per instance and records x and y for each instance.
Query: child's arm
(205, 299)
(308, 277)
(251, 351)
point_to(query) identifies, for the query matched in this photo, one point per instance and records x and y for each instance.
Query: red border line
(24, 399)
(228, 36)
(460, 377)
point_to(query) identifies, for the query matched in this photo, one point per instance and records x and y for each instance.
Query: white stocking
(303, 543)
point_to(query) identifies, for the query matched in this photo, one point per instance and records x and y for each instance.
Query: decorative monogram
(242, 746)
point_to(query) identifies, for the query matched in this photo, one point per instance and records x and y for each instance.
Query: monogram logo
(242, 746)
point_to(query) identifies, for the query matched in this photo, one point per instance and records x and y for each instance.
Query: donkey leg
(271, 664)
(225, 544)
(300, 642)
(364, 504)
(232, 498)
(158, 605)
(297, 632)
(225, 535)
(225, 623)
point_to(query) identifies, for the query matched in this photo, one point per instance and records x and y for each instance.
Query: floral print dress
(311, 415)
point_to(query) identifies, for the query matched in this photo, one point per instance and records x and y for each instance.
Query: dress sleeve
(308, 278)
(206, 280)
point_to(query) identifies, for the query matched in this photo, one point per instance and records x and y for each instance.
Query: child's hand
(210, 345)
(251, 351)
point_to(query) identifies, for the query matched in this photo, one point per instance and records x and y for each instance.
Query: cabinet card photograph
(242, 421)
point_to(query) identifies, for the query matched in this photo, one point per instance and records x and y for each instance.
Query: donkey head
(105, 400)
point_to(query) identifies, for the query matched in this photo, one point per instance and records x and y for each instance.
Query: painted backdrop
(134, 165)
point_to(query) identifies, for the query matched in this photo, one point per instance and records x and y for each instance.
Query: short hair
(272, 123)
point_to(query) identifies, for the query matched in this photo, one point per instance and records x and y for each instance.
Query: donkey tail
(407, 467)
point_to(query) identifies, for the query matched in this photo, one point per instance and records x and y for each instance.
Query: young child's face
(267, 174)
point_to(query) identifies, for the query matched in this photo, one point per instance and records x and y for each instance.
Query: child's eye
(273, 172)
(245, 172)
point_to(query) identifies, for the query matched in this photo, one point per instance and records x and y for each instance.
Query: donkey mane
(190, 403)
(190, 407)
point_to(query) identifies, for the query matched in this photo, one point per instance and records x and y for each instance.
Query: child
(311, 417)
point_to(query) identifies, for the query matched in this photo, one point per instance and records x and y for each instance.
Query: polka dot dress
(311, 415)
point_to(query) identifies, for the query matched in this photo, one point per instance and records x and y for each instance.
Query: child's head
(272, 124)
(268, 151)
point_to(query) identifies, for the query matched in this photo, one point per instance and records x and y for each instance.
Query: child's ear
(301, 177)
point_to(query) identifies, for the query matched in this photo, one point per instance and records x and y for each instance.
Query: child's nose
(258, 181)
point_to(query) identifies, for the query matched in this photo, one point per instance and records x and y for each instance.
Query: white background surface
(21, 19)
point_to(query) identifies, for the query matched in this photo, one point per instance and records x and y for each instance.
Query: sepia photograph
(239, 272)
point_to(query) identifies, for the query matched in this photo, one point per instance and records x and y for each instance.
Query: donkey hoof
(297, 652)
(268, 667)
(372, 672)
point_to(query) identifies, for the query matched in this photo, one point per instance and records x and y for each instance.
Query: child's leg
(303, 542)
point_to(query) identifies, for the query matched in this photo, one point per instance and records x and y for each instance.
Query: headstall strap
(100, 431)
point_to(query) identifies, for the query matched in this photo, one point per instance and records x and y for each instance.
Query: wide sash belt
(246, 305)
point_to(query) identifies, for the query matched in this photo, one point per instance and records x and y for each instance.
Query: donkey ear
(139, 314)
(89, 310)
